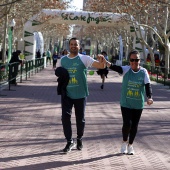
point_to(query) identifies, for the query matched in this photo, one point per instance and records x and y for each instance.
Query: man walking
(76, 91)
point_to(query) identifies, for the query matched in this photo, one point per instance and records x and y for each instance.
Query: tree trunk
(167, 52)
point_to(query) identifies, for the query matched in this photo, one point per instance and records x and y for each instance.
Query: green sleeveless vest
(133, 90)
(77, 87)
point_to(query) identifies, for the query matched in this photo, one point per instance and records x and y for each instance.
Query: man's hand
(149, 101)
(101, 63)
(101, 59)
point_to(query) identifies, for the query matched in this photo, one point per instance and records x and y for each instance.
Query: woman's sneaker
(69, 146)
(131, 150)
(124, 148)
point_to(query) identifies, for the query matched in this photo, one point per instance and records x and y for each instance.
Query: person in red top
(157, 60)
(148, 58)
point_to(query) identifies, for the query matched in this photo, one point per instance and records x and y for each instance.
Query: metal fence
(158, 74)
(20, 72)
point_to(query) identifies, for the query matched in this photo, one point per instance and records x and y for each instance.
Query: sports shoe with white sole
(69, 146)
(130, 150)
(124, 148)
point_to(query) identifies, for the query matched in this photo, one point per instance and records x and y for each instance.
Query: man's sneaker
(131, 150)
(69, 147)
(124, 148)
(79, 144)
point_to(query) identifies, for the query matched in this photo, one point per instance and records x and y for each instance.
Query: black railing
(158, 74)
(16, 71)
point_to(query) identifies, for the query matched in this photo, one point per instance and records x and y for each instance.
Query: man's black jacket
(63, 80)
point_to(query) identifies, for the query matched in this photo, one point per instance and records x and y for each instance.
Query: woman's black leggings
(131, 119)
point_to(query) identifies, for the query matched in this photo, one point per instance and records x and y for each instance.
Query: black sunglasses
(132, 60)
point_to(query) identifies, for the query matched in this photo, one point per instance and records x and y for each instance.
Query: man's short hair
(74, 38)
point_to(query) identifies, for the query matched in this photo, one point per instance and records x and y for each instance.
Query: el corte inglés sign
(86, 18)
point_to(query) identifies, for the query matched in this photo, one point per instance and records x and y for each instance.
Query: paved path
(31, 136)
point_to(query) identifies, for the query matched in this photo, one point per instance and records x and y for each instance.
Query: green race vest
(133, 90)
(77, 87)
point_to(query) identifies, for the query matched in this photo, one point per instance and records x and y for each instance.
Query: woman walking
(135, 83)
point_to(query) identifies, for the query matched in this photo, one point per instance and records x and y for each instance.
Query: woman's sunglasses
(132, 60)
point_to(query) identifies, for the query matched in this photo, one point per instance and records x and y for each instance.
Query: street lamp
(10, 38)
(12, 24)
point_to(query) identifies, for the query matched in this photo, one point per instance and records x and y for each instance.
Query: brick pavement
(31, 136)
